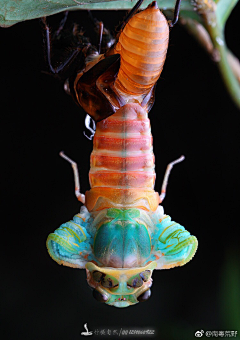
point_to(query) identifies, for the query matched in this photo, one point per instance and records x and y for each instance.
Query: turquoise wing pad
(172, 244)
(73, 242)
(70, 244)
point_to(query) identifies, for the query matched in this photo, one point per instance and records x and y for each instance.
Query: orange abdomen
(122, 162)
(143, 46)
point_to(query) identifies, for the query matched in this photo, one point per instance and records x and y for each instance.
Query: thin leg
(176, 14)
(47, 32)
(61, 25)
(166, 176)
(106, 40)
(80, 196)
(69, 60)
(100, 36)
(129, 16)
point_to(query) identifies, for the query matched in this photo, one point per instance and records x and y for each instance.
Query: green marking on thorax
(123, 215)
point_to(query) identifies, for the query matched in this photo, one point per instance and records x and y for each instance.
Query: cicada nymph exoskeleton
(121, 233)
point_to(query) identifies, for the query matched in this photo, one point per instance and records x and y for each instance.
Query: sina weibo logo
(87, 332)
(199, 334)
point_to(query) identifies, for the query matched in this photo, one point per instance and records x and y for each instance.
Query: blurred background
(194, 116)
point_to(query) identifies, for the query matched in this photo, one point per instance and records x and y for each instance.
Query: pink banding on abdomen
(122, 159)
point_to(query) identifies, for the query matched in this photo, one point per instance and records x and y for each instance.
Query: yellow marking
(77, 225)
(161, 219)
(82, 218)
(117, 272)
(166, 229)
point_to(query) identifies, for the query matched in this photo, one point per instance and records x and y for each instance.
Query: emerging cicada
(121, 233)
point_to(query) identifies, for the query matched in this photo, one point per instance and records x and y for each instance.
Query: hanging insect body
(121, 233)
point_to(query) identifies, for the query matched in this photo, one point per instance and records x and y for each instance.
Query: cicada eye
(136, 282)
(97, 276)
(99, 297)
(105, 280)
(108, 281)
(145, 275)
(144, 296)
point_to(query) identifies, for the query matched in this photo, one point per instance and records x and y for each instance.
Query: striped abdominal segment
(122, 159)
(121, 179)
(123, 145)
(142, 46)
(144, 162)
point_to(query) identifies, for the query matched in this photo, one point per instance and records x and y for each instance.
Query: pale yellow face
(120, 287)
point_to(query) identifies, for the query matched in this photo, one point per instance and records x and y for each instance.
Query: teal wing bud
(70, 244)
(172, 244)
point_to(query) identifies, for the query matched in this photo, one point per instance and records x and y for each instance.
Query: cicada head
(120, 287)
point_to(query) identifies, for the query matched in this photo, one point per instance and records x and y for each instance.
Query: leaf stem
(210, 34)
(225, 69)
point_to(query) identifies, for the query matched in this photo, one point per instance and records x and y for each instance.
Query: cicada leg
(166, 176)
(62, 24)
(173, 22)
(80, 197)
(129, 15)
(100, 32)
(105, 38)
(71, 58)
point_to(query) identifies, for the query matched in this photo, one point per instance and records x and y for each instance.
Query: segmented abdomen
(122, 162)
(143, 47)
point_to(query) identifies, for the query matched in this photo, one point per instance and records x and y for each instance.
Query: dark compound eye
(97, 276)
(144, 296)
(99, 297)
(135, 282)
(145, 275)
(105, 280)
(108, 282)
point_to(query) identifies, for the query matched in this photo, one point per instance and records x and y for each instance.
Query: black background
(193, 115)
